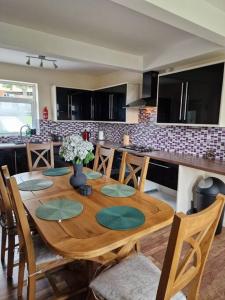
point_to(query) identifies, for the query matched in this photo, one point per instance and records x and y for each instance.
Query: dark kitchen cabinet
(163, 173)
(101, 105)
(109, 104)
(81, 105)
(191, 97)
(73, 104)
(170, 99)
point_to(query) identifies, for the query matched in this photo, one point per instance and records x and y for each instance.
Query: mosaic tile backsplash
(179, 139)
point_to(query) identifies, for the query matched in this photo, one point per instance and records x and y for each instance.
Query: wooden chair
(5, 171)
(41, 152)
(9, 231)
(103, 160)
(134, 164)
(136, 277)
(39, 259)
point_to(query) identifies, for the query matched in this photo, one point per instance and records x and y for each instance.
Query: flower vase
(78, 178)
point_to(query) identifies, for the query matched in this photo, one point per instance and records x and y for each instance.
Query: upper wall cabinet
(72, 104)
(106, 104)
(192, 96)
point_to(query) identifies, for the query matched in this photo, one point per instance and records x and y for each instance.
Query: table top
(82, 237)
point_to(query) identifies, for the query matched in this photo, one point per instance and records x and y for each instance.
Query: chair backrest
(5, 171)
(188, 248)
(40, 156)
(103, 160)
(25, 239)
(5, 204)
(135, 164)
(5, 174)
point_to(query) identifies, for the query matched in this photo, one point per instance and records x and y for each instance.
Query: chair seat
(134, 278)
(42, 252)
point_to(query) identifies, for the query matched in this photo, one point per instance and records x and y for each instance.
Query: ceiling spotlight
(28, 60)
(42, 59)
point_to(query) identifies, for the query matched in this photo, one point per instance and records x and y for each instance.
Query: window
(18, 106)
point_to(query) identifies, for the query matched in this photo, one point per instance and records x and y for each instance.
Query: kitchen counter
(191, 161)
(11, 146)
(16, 146)
(214, 166)
(188, 160)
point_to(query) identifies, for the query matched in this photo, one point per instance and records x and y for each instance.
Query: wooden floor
(153, 246)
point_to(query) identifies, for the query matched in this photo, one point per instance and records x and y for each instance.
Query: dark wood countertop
(214, 166)
(188, 160)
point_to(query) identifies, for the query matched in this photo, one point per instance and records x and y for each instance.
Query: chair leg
(137, 247)
(3, 244)
(31, 289)
(21, 274)
(11, 249)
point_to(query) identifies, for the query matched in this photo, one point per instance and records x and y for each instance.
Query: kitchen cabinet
(73, 104)
(106, 104)
(16, 159)
(163, 173)
(192, 96)
(110, 104)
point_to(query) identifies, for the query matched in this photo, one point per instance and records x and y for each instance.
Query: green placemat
(35, 184)
(120, 217)
(93, 175)
(118, 190)
(56, 171)
(60, 209)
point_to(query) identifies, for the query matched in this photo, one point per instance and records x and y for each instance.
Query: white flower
(74, 148)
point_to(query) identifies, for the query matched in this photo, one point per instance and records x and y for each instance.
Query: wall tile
(180, 139)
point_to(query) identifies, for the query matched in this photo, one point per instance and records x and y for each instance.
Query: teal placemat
(35, 184)
(120, 217)
(60, 209)
(118, 190)
(93, 175)
(56, 171)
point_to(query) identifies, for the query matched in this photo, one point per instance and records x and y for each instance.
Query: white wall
(118, 77)
(45, 79)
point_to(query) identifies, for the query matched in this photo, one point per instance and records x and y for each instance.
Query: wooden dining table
(82, 237)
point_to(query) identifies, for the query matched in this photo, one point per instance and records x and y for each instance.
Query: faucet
(21, 133)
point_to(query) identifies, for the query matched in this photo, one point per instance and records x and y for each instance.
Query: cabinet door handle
(91, 108)
(109, 107)
(68, 106)
(185, 103)
(71, 107)
(158, 165)
(181, 100)
(112, 108)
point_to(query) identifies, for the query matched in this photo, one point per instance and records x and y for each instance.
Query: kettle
(86, 135)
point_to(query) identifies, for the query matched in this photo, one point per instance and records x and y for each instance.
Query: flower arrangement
(76, 150)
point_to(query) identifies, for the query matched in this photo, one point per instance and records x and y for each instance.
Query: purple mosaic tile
(180, 139)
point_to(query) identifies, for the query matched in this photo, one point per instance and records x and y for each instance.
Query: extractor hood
(149, 91)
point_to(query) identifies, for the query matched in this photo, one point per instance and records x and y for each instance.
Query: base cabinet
(16, 159)
(163, 173)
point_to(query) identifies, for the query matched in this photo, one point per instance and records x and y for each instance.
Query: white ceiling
(100, 22)
(220, 4)
(19, 58)
(123, 36)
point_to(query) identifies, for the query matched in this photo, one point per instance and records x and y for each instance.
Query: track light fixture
(43, 59)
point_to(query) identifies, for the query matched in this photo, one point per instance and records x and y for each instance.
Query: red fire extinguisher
(45, 113)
